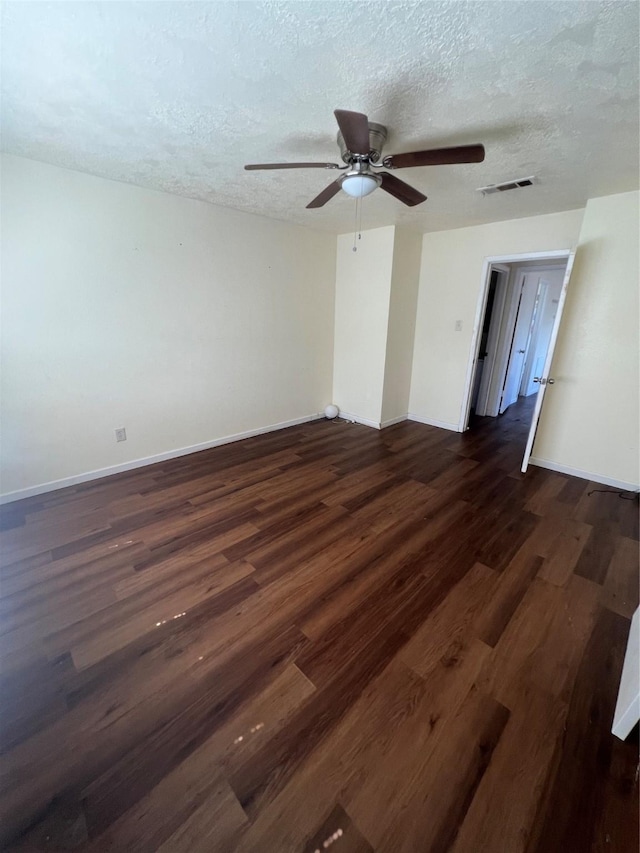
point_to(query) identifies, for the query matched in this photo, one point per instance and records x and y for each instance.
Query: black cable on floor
(625, 495)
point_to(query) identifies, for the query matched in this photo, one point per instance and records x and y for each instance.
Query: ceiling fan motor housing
(377, 139)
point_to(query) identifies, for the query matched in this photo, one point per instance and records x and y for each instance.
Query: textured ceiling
(177, 96)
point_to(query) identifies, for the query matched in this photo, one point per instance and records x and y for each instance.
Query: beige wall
(401, 326)
(590, 418)
(363, 287)
(450, 285)
(178, 320)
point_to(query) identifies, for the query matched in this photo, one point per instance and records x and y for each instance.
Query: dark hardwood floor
(324, 638)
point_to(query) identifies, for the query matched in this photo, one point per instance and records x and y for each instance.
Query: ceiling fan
(361, 143)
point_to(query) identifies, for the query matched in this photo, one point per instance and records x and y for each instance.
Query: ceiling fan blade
(326, 194)
(252, 166)
(403, 192)
(354, 128)
(436, 157)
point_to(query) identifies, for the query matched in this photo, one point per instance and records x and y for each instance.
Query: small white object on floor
(331, 412)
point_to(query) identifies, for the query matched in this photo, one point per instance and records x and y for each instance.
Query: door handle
(544, 381)
(522, 351)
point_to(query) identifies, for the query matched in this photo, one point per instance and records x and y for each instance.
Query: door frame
(553, 255)
(496, 320)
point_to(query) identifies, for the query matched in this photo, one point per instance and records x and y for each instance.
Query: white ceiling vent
(507, 185)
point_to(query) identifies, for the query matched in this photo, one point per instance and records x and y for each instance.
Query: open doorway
(519, 313)
(521, 307)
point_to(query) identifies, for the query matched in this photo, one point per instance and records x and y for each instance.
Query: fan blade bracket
(257, 166)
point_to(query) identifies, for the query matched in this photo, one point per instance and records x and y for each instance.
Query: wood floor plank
(620, 589)
(370, 570)
(454, 623)
(543, 642)
(171, 806)
(408, 498)
(201, 715)
(259, 782)
(338, 827)
(33, 698)
(383, 802)
(597, 553)
(68, 576)
(561, 543)
(441, 797)
(20, 544)
(212, 826)
(511, 531)
(352, 486)
(349, 754)
(600, 504)
(612, 827)
(572, 491)
(205, 586)
(548, 491)
(572, 815)
(261, 718)
(508, 796)
(508, 592)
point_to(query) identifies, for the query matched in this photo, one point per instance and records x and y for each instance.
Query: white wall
(590, 418)
(402, 323)
(127, 307)
(363, 286)
(450, 285)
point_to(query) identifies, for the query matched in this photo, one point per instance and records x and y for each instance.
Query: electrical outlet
(121, 434)
(458, 325)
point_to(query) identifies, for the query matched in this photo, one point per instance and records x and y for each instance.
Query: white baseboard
(393, 421)
(584, 475)
(348, 416)
(76, 479)
(433, 422)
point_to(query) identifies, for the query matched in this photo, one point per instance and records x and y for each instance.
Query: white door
(541, 326)
(628, 705)
(527, 295)
(544, 380)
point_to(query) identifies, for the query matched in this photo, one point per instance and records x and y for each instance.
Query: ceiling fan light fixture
(358, 186)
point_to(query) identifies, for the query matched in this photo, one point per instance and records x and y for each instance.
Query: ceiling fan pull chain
(355, 225)
(360, 219)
